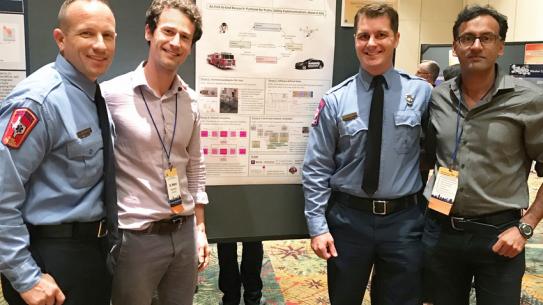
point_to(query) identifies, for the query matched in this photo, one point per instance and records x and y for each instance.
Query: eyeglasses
(467, 40)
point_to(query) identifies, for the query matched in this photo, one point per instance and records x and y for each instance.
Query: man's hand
(323, 245)
(510, 243)
(46, 292)
(203, 250)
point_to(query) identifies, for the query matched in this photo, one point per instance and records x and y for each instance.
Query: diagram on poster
(261, 69)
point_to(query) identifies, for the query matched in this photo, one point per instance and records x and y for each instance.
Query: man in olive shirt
(486, 127)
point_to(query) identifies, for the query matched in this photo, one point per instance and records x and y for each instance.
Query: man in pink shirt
(160, 167)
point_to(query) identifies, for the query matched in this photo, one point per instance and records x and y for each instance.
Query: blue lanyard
(458, 134)
(168, 152)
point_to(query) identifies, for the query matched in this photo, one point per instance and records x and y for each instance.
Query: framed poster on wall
(350, 7)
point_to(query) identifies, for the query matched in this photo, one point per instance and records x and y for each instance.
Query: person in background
(429, 70)
(232, 276)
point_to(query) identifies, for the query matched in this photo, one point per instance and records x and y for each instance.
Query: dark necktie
(109, 195)
(372, 164)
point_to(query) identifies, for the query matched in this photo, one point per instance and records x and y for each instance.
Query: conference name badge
(174, 190)
(444, 190)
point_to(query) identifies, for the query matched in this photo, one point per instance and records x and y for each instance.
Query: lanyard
(458, 134)
(168, 152)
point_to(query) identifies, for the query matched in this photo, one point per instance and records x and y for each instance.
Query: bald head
(86, 36)
(429, 70)
(62, 13)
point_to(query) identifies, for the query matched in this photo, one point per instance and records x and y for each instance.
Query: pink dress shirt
(140, 157)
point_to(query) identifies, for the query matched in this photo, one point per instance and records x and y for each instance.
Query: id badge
(444, 190)
(174, 190)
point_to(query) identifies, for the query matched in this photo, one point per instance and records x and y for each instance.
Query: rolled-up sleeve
(533, 135)
(196, 170)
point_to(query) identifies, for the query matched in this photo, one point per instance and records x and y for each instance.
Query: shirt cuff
(200, 198)
(317, 226)
(24, 276)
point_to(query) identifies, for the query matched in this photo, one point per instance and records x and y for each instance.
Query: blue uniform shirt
(55, 176)
(335, 154)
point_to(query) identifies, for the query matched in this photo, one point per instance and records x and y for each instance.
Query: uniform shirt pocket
(407, 130)
(86, 161)
(352, 136)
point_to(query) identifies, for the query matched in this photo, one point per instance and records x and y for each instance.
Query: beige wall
(431, 22)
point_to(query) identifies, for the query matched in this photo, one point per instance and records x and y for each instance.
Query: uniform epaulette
(409, 76)
(342, 84)
(33, 85)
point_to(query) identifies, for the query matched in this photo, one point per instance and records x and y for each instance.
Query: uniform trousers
(231, 276)
(455, 258)
(78, 265)
(166, 263)
(391, 244)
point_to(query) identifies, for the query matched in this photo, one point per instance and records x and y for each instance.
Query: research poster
(12, 46)
(261, 69)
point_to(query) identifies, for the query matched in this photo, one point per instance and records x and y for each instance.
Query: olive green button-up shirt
(496, 142)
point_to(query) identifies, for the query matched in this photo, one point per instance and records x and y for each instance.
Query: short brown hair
(187, 7)
(374, 10)
(61, 19)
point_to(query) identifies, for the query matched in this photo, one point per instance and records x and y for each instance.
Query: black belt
(76, 230)
(165, 226)
(487, 223)
(375, 206)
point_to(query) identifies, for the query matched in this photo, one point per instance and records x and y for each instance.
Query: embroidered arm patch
(20, 125)
(317, 115)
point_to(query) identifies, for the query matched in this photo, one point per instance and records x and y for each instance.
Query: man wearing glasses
(486, 127)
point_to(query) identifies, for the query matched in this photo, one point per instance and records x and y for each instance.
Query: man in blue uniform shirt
(361, 172)
(52, 160)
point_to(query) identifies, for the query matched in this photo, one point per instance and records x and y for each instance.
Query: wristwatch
(525, 229)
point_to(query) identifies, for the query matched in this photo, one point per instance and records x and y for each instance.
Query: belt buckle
(456, 220)
(102, 229)
(384, 207)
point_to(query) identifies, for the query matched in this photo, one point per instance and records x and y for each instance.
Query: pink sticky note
(224, 133)
(223, 151)
(204, 133)
(242, 151)
(243, 134)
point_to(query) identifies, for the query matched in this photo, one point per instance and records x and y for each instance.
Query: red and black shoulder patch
(317, 115)
(21, 123)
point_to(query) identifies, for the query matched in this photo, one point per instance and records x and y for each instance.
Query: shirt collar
(366, 78)
(70, 73)
(140, 80)
(502, 83)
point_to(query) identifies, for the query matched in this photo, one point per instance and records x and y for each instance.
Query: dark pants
(77, 265)
(455, 258)
(391, 244)
(230, 277)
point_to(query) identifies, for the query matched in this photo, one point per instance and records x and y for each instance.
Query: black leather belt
(164, 226)
(487, 223)
(375, 206)
(76, 230)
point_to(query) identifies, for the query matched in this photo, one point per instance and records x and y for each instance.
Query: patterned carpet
(293, 275)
